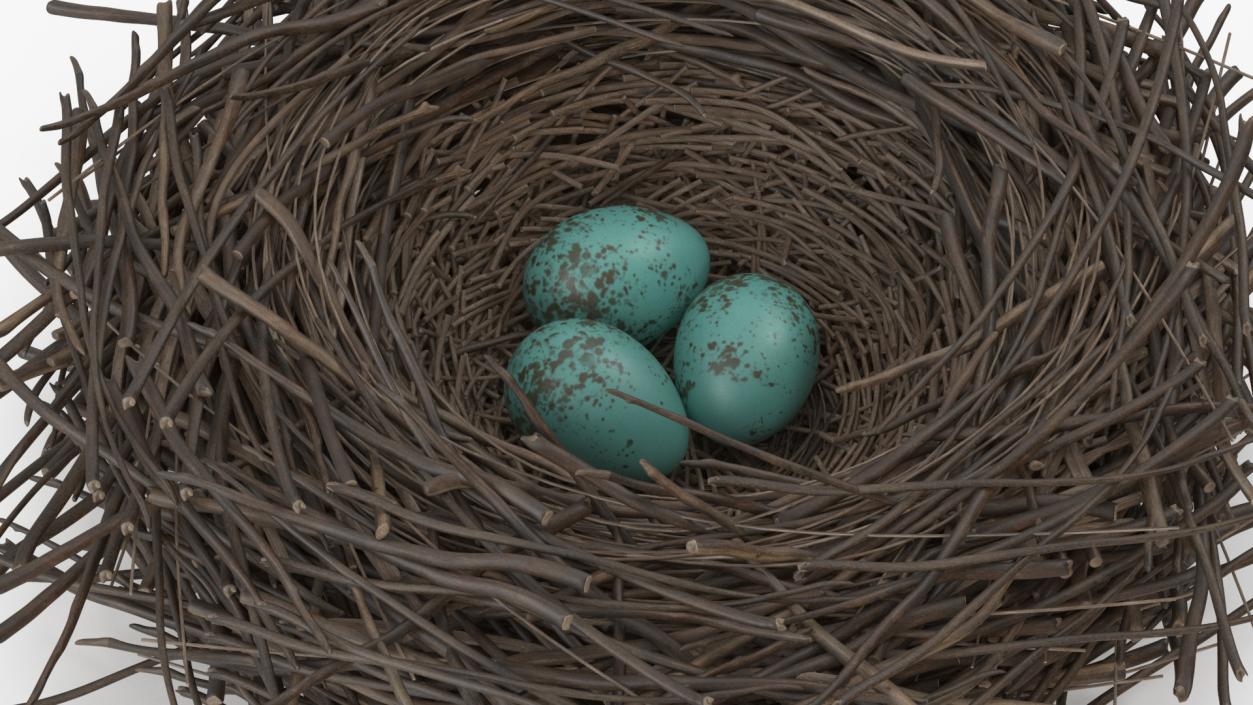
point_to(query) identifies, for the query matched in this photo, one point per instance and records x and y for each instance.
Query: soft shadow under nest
(284, 307)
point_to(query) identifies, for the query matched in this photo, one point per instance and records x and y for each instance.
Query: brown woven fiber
(282, 266)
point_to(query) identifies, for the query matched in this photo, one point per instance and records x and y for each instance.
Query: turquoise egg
(633, 268)
(746, 356)
(566, 368)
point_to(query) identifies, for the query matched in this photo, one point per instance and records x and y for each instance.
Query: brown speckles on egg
(727, 360)
(746, 356)
(560, 358)
(626, 266)
(606, 279)
(566, 368)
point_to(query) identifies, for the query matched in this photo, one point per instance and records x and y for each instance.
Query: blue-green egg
(746, 356)
(633, 268)
(566, 369)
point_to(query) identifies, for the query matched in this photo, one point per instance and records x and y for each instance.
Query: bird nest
(283, 277)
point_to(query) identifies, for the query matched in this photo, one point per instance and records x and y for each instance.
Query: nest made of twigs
(285, 277)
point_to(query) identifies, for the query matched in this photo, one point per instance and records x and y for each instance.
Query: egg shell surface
(566, 369)
(634, 268)
(746, 356)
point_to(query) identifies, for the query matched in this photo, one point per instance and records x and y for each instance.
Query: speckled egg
(566, 369)
(633, 268)
(746, 356)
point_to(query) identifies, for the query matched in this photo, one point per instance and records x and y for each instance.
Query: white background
(34, 67)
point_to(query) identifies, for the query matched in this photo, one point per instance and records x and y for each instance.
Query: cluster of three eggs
(608, 282)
